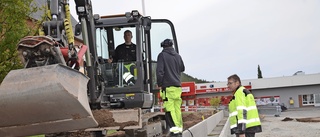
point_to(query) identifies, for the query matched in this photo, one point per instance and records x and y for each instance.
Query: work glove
(162, 94)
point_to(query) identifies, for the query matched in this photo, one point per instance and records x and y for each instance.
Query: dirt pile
(192, 118)
(105, 119)
(309, 119)
(287, 119)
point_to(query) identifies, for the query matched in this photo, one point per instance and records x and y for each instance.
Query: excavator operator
(126, 53)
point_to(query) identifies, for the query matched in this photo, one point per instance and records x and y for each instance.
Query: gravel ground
(274, 127)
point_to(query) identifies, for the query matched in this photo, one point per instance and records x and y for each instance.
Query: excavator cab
(130, 84)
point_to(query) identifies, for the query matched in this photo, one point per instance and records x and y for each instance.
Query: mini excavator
(50, 94)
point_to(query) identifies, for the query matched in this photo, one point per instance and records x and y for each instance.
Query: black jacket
(125, 53)
(169, 68)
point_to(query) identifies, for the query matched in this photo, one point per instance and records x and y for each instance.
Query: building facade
(304, 89)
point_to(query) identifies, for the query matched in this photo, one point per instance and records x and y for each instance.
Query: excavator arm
(86, 19)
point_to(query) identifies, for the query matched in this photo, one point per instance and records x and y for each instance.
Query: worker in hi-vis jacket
(243, 113)
(169, 68)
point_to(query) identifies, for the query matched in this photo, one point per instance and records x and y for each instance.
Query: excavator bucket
(42, 100)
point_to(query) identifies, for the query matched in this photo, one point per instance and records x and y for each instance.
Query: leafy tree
(259, 72)
(215, 101)
(187, 78)
(14, 15)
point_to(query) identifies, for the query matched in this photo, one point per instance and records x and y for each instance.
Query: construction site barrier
(192, 108)
(270, 110)
(189, 108)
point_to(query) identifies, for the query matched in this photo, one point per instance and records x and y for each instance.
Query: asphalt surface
(274, 126)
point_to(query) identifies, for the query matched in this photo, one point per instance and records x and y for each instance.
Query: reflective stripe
(247, 108)
(241, 107)
(245, 121)
(242, 121)
(127, 76)
(253, 120)
(252, 108)
(176, 130)
(233, 126)
(233, 113)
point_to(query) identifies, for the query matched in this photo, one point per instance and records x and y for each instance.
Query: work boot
(130, 83)
(175, 134)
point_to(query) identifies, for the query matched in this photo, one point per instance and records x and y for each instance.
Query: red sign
(213, 90)
(203, 86)
(188, 88)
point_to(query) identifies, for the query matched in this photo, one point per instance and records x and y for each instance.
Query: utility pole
(143, 8)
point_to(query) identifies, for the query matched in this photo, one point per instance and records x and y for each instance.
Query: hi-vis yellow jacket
(243, 113)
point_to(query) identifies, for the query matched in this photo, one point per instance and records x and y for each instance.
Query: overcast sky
(218, 38)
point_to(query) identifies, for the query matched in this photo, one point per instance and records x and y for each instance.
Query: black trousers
(247, 134)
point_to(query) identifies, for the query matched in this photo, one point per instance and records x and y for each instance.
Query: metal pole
(143, 8)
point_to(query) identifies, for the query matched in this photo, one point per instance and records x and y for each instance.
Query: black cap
(167, 43)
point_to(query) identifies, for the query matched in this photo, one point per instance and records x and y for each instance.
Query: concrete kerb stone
(203, 128)
(226, 130)
(214, 121)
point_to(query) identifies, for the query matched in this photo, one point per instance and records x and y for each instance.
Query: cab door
(161, 29)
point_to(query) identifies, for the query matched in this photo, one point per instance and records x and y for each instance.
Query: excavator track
(125, 120)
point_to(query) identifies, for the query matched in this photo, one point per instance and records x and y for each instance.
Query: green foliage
(13, 27)
(187, 78)
(109, 132)
(215, 101)
(259, 72)
(37, 136)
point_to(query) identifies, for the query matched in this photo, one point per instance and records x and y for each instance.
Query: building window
(307, 99)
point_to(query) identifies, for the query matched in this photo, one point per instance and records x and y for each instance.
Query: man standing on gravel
(169, 68)
(243, 113)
